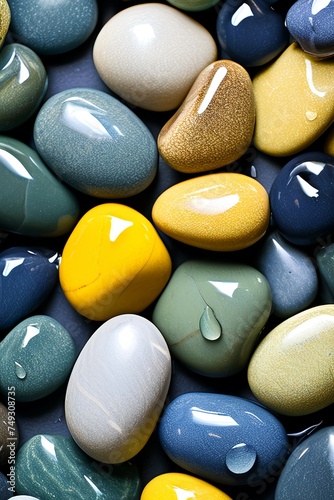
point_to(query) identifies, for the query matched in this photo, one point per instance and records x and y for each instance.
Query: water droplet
(209, 326)
(20, 371)
(311, 115)
(241, 458)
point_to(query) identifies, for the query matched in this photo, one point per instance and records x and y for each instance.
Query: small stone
(214, 125)
(289, 91)
(291, 371)
(36, 358)
(95, 143)
(150, 54)
(5, 20)
(213, 211)
(125, 272)
(117, 388)
(9, 436)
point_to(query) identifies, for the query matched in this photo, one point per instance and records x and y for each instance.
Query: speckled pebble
(215, 123)
(5, 20)
(95, 143)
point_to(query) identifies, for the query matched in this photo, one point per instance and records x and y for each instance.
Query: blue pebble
(221, 438)
(251, 33)
(301, 198)
(291, 275)
(27, 276)
(50, 27)
(96, 144)
(311, 24)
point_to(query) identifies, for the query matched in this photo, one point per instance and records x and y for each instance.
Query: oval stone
(170, 486)
(291, 275)
(33, 202)
(36, 358)
(27, 276)
(294, 98)
(221, 438)
(215, 124)
(150, 54)
(213, 211)
(20, 96)
(9, 436)
(5, 20)
(124, 273)
(95, 143)
(51, 28)
(211, 315)
(301, 198)
(51, 466)
(117, 388)
(308, 472)
(291, 371)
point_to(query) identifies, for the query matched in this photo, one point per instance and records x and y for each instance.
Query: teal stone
(23, 84)
(53, 27)
(325, 263)
(36, 358)
(33, 202)
(50, 466)
(96, 144)
(211, 315)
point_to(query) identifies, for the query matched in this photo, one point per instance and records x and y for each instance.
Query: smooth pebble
(193, 5)
(117, 388)
(214, 125)
(212, 211)
(150, 54)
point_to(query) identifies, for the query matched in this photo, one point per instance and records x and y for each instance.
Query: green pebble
(36, 358)
(55, 467)
(193, 5)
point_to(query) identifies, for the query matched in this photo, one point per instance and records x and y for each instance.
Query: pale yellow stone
(294, 99)
(292, 370)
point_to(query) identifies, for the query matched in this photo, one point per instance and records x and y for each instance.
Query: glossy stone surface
(5, 20)
(212, 211)
(27, 276)
(301, 198)
(193, 5)
(9, 436)
(150, 54)
(291, 371)
(325, 265)
(251, 33)
(294, 97)
(117, 388)
(36, 358)
(32, 200)
(23, 84)
(172, 485)
(124, 273)
(311, 24)
(50, 27)
(211, 314)
(51, 466)
(221, 438)
(291, 275)
(308, 472)
(214, 125)
(95, 143)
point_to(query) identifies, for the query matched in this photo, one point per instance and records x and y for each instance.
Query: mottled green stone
(33, 202)
(4, 20)
(8, 431)
(50, 466)
(211, 315)
(23, 83)
(36, 358)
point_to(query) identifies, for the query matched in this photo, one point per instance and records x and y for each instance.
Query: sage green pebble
(23, 84)
(33, 202)
(211, 314)
(52, 466)
(4, 20)
(36, 358)
(9, 436)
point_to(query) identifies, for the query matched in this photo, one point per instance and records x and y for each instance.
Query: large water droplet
(20, 371)
(209, 326)
(241, 458)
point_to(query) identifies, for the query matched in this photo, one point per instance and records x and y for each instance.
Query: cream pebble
(150, 54)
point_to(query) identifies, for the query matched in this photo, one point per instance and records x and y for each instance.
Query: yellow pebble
(294, 102)
(291, 371)
(215, 124)
(4, 20)
(221, 212)
(178, 486)
(114, 262)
